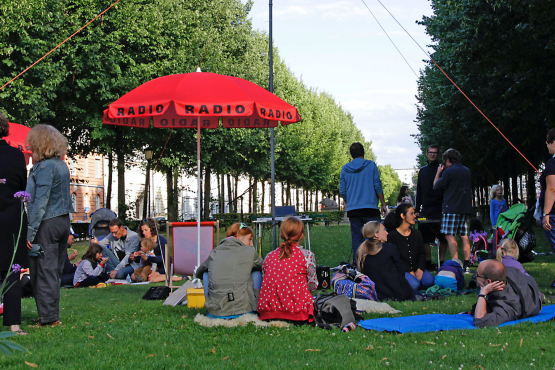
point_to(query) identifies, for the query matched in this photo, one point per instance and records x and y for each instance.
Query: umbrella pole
(273, 168)
(198, 193)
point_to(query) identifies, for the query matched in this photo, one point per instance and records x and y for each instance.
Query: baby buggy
(516, 223)
(100, 221)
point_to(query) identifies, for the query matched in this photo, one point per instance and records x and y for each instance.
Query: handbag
(354, 284)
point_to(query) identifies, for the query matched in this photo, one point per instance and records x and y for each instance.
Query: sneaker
(467, 271)
(101, 285)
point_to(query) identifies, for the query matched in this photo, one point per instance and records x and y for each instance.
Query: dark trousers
(93, 280)
(357, 223)
(12, 300)
(46, 270)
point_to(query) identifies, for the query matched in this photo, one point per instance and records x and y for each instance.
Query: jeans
(424, 283)
(550, 235)
(256, 276)
(357, 223)
(112, 262)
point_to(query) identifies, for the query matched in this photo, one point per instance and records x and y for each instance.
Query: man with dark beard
(428, 205)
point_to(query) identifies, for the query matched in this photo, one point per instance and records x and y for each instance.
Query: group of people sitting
(237, 280)
(123, 254)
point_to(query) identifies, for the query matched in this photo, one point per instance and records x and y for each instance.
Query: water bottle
(128, 278)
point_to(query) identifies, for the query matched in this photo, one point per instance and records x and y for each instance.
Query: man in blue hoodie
(361, 187)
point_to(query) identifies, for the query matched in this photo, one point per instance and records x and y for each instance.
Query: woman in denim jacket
(49, 223)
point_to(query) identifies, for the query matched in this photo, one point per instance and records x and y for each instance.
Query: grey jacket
(230, 288)
(505, 305)
(130, 245)
(48, 184)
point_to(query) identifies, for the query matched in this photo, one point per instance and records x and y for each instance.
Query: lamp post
(148, 157)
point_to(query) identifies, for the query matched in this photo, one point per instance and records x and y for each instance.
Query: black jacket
(426, 197)
(13, 170)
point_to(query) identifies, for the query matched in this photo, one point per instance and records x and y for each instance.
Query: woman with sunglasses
(232, 275)
(547, 194)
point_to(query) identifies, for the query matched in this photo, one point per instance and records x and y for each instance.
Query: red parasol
(17, 137)
(198, 100)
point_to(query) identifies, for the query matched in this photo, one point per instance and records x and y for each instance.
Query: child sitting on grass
(90, 271)
(146, 267)
(508, 253)
(450, 275)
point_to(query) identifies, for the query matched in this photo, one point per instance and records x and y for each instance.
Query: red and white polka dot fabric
(284, 294)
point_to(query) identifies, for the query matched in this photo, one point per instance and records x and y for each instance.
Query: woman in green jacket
(232, 275)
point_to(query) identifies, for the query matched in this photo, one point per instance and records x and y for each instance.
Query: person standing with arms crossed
(454, 179)
(361, 188)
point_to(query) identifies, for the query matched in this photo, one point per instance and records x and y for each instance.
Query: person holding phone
(48, 211)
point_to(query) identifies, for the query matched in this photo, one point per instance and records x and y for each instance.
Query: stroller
(100, 223)
(516, 223)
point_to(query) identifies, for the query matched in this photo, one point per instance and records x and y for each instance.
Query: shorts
(446, 282)
(452, 224)
(431, 231)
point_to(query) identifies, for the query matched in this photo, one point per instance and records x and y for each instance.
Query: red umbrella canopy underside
(200, 98)
(17, 136)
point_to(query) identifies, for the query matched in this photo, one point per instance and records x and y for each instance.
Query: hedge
(228, 219)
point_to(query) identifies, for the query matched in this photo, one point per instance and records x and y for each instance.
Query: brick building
(86, 185)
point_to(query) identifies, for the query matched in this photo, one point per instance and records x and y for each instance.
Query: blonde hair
(148, 243)
(492, 192)
(508, 247)
(369, 230)
(46, 142)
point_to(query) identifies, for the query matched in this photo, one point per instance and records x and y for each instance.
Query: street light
(148, 157)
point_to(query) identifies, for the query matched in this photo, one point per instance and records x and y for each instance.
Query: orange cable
(60, 44)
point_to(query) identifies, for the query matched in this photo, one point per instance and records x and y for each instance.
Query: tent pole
(272, 146)
(198, 192)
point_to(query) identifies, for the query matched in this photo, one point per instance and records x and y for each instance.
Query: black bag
(334, 310)
(157, 293)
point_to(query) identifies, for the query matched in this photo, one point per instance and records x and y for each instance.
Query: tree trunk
(206, 199)
(288, 194)
(254, 196)
(222, 182)
(122, 207)
(514, 187)
(263, 197)
(282, 194)
(531, 188)
(108, 195)
(297, 204)
(520, 188)
(169, 191)
(235, 194)
(250, 195)
(229, 193)
(506, 188)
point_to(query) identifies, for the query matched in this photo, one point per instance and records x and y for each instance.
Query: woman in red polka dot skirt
(285, 291)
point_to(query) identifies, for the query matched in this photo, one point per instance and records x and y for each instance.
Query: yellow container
(195, 298)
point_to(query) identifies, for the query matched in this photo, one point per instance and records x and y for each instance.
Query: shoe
(51, 324)
(20, 332)
(101, 285)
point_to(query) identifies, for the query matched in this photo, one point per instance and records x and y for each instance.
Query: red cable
(478, 109)
(60, 44)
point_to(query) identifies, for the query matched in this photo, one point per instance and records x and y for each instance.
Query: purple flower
(2, 181)
(23, 196)
(16, 268)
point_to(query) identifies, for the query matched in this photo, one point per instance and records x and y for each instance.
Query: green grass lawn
(114, 328)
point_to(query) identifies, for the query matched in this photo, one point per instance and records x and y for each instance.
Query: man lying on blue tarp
(505, 294)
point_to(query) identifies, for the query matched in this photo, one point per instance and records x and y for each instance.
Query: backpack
(353, 284)
(334, 310)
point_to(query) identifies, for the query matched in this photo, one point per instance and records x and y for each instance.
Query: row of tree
(138, 40)
(499, 52)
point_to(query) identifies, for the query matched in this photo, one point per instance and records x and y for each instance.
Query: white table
(259, 223)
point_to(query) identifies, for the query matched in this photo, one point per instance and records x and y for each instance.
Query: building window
(74, 202)
(97, 203)
(97, 171)
(85, 167)
(73, 168)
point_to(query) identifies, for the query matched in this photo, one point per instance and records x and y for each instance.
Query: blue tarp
(436, 322)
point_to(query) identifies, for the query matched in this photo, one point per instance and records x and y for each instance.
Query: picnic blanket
(242, 320)
(436, 322)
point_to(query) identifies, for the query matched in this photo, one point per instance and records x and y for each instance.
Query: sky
(337, 47)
